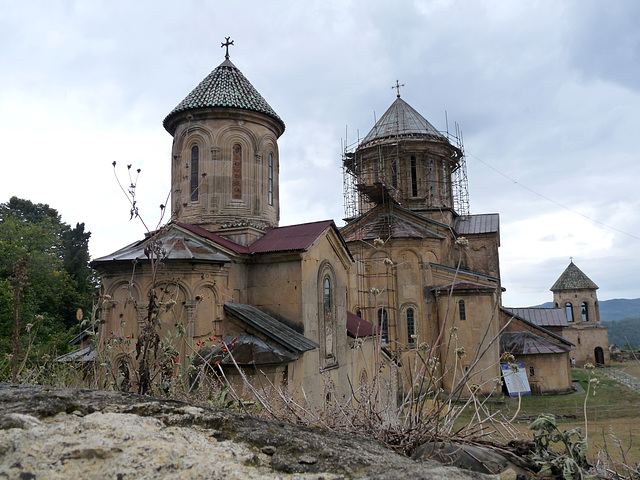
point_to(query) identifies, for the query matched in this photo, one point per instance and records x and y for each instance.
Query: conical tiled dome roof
(402, 120)
(226, 87)
(573, 279)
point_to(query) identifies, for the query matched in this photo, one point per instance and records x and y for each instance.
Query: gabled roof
(559, 338)
(528, 343)
(573, 279)
(402, 121)
(543, 317)
(272, 328)
(225, 87)
(477, 224)
(292, 237)
(246, 349)
(463, 271)
(464, 287)
(175, 245)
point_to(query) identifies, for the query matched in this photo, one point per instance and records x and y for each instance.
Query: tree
(59, 278)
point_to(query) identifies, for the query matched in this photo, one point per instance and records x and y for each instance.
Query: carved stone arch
(327, 289)
(410, 323)
(191, 134)
(233, 134)
(408, 266)
(122, 312)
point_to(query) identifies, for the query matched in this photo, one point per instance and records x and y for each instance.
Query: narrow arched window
(585, 312)
(414, 177)
(376, 172)
(445, 183)
(193, 188)
(462, 310)
(383, 325)
(432, 178)
(271, 179)
(411, 326)
(568, 308)
(327, 294)
(236, 176)
(532, 371)
(359, 313)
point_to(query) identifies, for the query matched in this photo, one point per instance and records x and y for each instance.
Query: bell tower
(224, 161)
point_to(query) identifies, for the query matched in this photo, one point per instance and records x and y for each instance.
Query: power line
(550, 199)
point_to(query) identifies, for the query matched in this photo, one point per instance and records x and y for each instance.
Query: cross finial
(226, 44)
(571, 259)
(397, 87)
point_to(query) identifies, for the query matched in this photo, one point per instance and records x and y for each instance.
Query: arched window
(195, 154)
(532, 371)
(411, 326)
(462, 310)
(376, 168)
(327, 295)
(414, 177)
(432, 178)
(585, 312)
(271, 179)
(383, 325)
(568, 308)
(445, 184)
(236, 175)
(359, 313)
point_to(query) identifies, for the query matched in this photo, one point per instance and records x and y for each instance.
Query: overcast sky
(546, 93)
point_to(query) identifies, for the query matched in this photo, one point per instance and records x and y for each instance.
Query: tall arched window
(394, 174)
(383, 325)
(568, 308)
(432, 178)
(462, 310)
(376, 169)
(445, 184)
(327, 295)
(271, 179)
(414, 177)
(411, 326)
(236, 175)
(327, 328)
(585, 312)
(193, 188)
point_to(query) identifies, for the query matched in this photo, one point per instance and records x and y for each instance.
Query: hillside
(613, 310)
(624, 331)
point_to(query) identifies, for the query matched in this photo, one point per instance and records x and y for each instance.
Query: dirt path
(624, 378)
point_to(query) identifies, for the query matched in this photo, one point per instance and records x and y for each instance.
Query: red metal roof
(357, 327)
(293, 237)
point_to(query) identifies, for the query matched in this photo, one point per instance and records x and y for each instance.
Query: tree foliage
(59, 279)
(625, 333)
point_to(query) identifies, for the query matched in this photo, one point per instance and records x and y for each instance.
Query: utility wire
(550, 199)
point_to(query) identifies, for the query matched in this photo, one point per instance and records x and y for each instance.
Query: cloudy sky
(546, 93)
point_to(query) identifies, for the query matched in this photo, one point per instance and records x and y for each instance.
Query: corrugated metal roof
(386, 224)
(234, 247)
(272, 328)
(226, 87)
(527, 343)
(401, 121)
(293, 237)
(477, 224)
(175, 245)
(543, 317)
(573, 279)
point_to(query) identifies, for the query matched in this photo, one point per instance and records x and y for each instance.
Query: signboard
(517, 382)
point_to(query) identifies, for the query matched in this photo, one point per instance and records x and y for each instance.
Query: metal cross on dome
(226, 44)
(397, 87)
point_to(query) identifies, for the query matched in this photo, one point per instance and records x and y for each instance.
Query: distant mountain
(621, 316)
(613, 310)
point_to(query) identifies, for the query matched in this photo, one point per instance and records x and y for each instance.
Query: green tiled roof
(573, 279)
(226, 87)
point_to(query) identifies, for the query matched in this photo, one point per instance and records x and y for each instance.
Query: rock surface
(66, 433)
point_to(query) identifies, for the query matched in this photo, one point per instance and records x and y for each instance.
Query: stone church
(316, 307)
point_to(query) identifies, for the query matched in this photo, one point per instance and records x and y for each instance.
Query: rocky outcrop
(66, 433)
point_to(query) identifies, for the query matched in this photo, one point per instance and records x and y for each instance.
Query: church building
(410, 276)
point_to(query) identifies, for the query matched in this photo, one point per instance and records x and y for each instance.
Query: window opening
(532, 371)
(462, 310)
(375, 172)
(411, 326)
(444, 181)
(414, 177)
(195, 153)
(568, 308)
(585, 312)
(394, 174)
(432, 178)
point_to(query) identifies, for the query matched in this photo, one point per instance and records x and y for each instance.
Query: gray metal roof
(226, 87)
(246, 350)
(176, 244)
(527, 343)
(573, 279)
(477, 224)
(543, 317)
(272, 328)
(402, 121)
